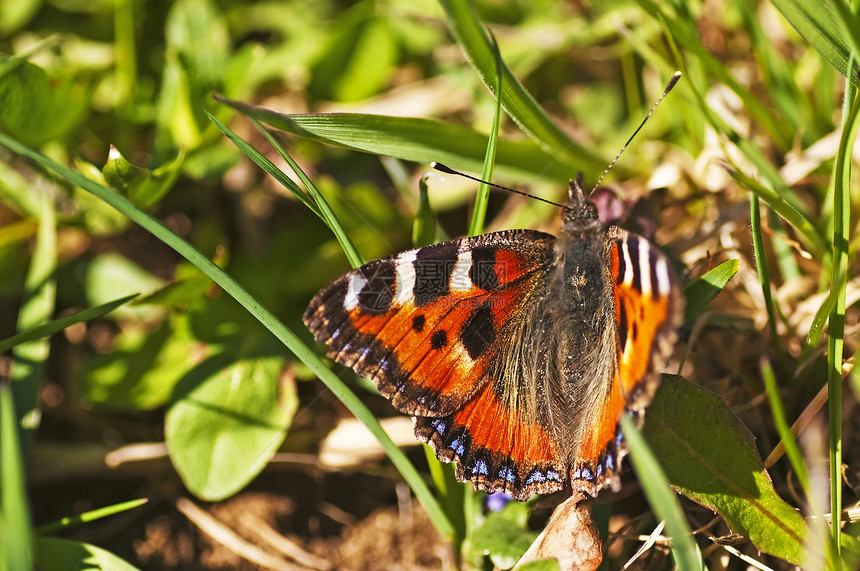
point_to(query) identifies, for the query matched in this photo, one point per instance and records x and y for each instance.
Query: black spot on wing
(633, 250)
(376, 296)
(433, 269)
(439, 339)
(479, 331)
(418, 323)
(483, 270)
(622, 325)
(622, 264)
(652, 266)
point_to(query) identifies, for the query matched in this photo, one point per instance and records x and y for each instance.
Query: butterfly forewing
(423, 324)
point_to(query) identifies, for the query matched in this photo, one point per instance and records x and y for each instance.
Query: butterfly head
(580, 213)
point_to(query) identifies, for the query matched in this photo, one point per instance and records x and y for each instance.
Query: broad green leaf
(111, 275)
(37, 108)
(13, 15)
(64, 555)
(504, 535)
(226, 421)
(700, 293)
(709, 456)
(143, 367)
(419, 140)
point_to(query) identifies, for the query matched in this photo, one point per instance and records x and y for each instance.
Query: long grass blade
(28, 359)
(763, 272)
(261, 313)
(89, 516)
(661, 498)
(51, 327)
(517, 102)
(479, 213)
(838, 283)
(16, 534)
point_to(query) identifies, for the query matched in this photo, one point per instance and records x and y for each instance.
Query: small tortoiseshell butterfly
(515, 352)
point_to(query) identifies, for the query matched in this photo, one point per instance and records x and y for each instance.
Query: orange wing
(423, 324)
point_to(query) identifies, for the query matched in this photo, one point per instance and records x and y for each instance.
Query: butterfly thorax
(581, 246)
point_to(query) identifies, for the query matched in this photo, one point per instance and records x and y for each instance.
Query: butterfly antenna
(666, 91)
(448, 170)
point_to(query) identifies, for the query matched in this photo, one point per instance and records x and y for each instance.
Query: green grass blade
(700, 293)
(16, 534)
(266, 165)
(89, 516)
(820, 25)
(819, 320)
(517, 102)
(310, 198)
(28, 359)
(850, 30)
(661, 498)
(255, 308)
(319, 200)
(838, 283)
(783, 428)
(419, 140)
(479, 213)
(683, 30)
(51, 327)
(424, 226)
(776, 200)
(771, 189)
(763, 272)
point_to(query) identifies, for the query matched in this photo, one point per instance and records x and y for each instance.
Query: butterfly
(515, 352)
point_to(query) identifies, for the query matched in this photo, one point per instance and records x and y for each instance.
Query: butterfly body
(515, 352)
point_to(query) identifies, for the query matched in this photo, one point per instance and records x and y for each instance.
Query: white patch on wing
(460, 280)
(628, 263)
(644, 267)
(404, 283)
(664, 283)
(353, 288)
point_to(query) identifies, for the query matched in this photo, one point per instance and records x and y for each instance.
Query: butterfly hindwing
(423, 324)
(648, 309)
(496, 447)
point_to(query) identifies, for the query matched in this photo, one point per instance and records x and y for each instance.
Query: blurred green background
(119, 90)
